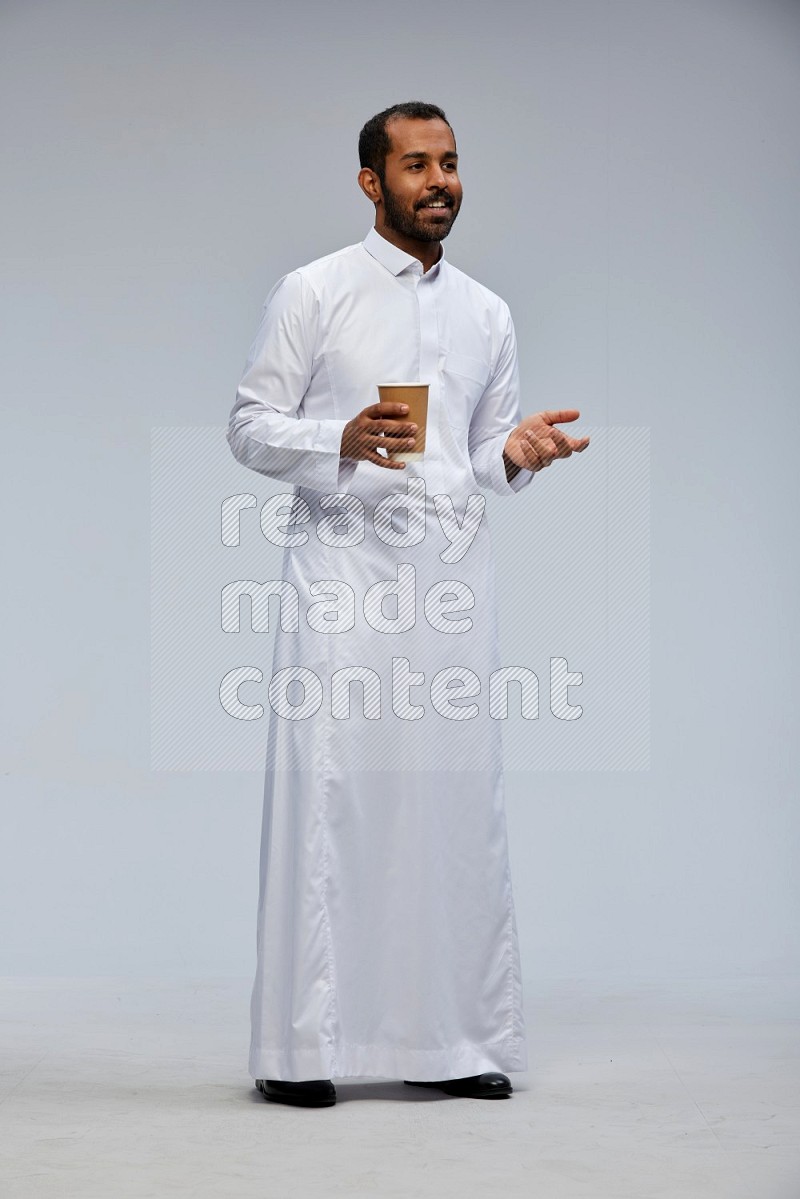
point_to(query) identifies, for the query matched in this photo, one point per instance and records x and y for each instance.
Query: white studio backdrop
(631, 177)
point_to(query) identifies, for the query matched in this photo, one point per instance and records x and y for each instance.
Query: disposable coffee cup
(416, 396)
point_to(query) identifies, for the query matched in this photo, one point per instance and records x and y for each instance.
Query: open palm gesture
(536, 442)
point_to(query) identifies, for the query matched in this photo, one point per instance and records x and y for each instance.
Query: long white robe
(386, 933)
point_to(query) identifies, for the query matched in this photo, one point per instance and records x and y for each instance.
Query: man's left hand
(535, 442)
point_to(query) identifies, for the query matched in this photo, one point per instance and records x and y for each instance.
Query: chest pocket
(465, 380)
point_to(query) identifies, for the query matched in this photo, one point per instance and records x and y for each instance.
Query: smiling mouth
(435, 207)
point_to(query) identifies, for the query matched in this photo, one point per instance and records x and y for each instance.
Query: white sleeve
(496, 414)
(265, 432)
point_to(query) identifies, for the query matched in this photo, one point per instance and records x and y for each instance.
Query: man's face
(421, 171)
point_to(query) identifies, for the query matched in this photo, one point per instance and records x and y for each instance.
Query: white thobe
(386, 934)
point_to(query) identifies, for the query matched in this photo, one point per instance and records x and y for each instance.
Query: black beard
(410, 224)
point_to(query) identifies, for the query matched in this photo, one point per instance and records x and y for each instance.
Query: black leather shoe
(319, 1092)
(478, 1086)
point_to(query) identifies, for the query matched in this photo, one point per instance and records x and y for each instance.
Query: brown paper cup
(416, 396)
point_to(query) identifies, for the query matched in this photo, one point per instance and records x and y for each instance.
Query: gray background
(631, 189)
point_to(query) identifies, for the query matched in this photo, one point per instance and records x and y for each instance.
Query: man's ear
(370, 184)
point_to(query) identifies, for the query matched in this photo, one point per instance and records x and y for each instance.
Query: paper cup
(416, 396)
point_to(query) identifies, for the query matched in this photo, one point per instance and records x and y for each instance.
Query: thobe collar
(395, 259)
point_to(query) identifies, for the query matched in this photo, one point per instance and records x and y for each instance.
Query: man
(387, 940)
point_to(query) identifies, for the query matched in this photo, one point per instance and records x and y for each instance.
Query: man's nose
(437, 178)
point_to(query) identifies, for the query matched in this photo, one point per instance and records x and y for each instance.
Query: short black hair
(374, 142)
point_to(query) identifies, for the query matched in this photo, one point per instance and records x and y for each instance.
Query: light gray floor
(131, 1087)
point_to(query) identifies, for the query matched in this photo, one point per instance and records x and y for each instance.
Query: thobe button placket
(429, 355)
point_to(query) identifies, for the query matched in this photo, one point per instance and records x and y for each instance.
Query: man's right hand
(382, 425)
